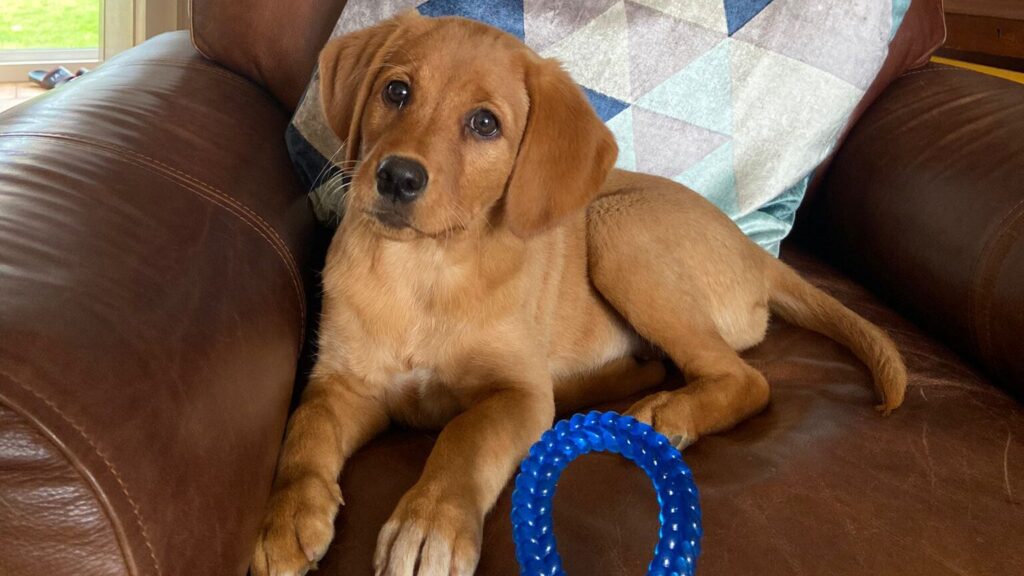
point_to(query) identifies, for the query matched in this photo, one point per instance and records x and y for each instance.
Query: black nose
(400, 179)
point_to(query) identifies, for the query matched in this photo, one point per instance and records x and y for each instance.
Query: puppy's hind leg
(654, 289)
(721, 391)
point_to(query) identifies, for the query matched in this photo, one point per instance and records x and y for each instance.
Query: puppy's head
(454, 125)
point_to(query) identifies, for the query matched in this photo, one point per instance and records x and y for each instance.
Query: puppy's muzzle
(401, 179)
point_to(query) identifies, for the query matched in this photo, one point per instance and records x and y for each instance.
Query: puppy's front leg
(439, 521)
(334, 418)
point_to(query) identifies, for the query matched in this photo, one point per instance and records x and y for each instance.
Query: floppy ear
(348, 67)
(565, 154)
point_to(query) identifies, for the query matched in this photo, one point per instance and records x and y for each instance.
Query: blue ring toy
(680, 531)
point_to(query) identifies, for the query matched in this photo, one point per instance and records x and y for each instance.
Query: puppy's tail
(796, 300)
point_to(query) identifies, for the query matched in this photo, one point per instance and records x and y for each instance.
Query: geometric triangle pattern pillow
(739, 100)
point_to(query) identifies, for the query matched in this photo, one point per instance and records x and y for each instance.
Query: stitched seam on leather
(119, 533)
(192, 32)
(986, 272)
(274, 239)
(192, 65)
(110, 467)
(254, 217)
(980, 270)
(936, 69)
(208, 66)
(214, 195)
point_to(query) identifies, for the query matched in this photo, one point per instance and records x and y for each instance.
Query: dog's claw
(298, 528)
(439, 539)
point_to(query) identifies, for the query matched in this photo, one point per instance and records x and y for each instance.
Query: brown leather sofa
(157, 286)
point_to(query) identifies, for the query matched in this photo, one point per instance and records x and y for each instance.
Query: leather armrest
(152, 236)
(925, 202)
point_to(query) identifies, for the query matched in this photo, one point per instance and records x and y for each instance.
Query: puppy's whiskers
(326, 168)
(336, 190)
(456, 214)
(448, 231)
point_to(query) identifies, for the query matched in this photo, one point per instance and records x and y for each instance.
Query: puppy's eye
(484, 123)
(396, 92)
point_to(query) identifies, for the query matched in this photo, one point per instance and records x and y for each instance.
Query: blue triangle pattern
(700, 94)
(504, 14)
(605, 106)
(899, 10)
(714, 178)
(739, 12)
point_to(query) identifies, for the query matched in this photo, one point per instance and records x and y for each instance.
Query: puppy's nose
(400, 179)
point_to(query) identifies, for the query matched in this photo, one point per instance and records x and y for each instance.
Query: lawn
(49, 24)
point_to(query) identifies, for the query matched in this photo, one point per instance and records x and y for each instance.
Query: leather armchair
(152, 249)
(157, 287)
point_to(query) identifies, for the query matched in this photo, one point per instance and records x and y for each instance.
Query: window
(74, 33)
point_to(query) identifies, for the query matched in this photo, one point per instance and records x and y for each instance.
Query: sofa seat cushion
(817, 484)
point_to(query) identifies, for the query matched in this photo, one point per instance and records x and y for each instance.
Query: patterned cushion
(737, 99)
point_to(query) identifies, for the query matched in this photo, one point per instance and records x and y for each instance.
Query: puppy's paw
(297, 529)
(429, 535)
(670, 414)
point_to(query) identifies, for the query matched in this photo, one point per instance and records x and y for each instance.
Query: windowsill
(16, 64)
(35, 56)
(18, 72)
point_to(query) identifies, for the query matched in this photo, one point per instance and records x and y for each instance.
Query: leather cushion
(817, 484)
(925, 204)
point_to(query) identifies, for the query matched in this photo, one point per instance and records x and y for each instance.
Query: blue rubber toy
(679, 535)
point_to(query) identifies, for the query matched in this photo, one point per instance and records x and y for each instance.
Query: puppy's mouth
(390, 219)
(397, 222)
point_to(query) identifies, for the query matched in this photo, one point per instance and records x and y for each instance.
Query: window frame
(123, 24)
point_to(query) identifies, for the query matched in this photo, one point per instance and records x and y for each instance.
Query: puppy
(491, 264)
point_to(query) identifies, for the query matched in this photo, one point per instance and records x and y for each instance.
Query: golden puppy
(491, 264)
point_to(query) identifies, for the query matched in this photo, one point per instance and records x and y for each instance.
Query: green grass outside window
(34, 24)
